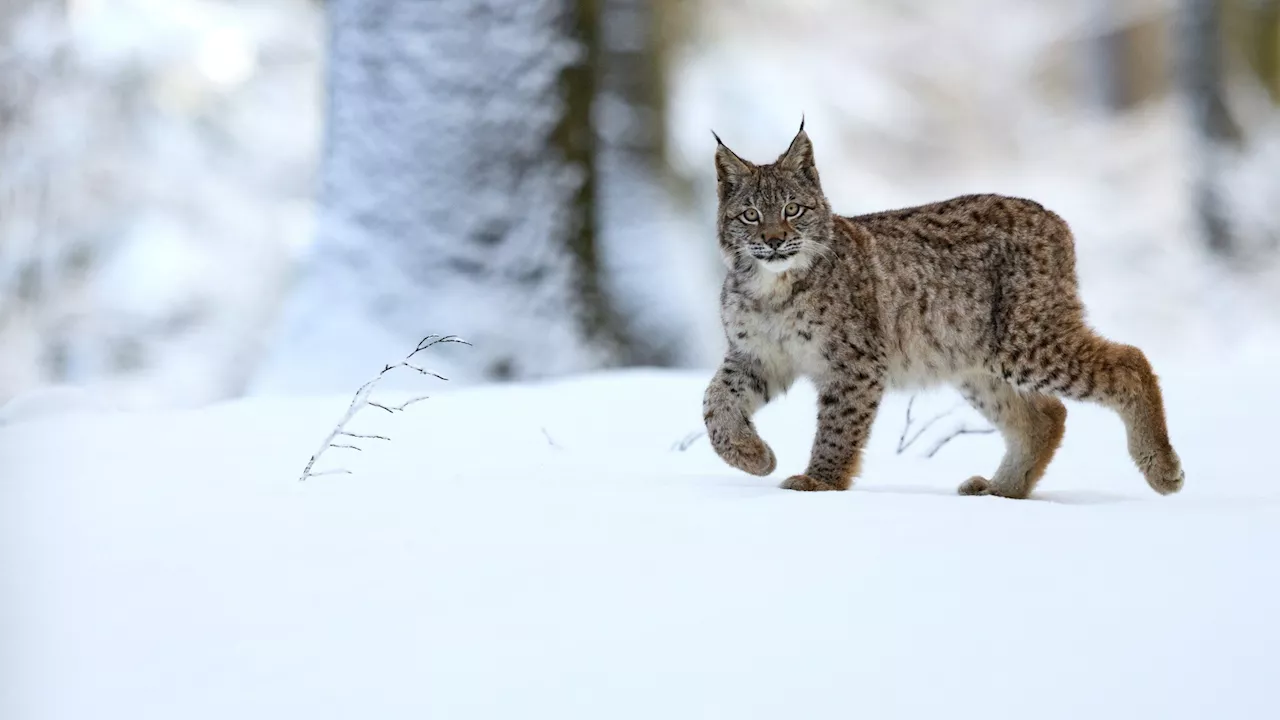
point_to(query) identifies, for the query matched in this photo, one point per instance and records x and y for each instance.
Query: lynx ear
(730, 169)
(799, 157)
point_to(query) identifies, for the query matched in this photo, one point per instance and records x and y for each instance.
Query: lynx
(978, 292)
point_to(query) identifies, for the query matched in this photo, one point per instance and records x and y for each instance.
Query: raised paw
(750, 454)
(1167, 477)
(804, 483)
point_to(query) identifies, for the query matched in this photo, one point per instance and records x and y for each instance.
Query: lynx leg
(1031, 425)
(740, 387)
(1124, 381)
(846, 409)
(1118, 377)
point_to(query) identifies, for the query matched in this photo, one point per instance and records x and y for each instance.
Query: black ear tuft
(799, 156)
(730, 169)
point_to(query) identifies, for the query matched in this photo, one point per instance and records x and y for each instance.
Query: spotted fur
(978, 292)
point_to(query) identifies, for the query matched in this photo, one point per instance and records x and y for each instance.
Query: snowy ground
(543, 552)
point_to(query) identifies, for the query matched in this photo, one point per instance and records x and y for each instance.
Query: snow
(545, 551)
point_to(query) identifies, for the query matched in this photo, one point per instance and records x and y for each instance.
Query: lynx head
(771, 216)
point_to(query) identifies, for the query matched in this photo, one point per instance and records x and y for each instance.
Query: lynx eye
(792, 210)
(751, 216)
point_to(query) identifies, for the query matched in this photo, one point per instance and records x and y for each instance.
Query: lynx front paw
(750, 455)
(804, 483)
(1166, 476)
(976, 485)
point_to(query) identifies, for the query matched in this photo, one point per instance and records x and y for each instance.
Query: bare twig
(902, 439)
(407, 403)
(905, 442)
(962, 430)
(364, 437)
(550, 441)
(423, 370)
(361, 400)
(688, 441)
(338, 471)
(908, 438)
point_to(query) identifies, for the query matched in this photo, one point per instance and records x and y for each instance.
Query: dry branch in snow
(688, 441)
(908, 438)
(551, 441)
(962, 430)
(361, 400)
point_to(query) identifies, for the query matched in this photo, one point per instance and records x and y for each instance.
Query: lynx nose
(774, 242)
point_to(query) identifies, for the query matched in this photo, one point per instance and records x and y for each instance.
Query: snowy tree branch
(361, 400)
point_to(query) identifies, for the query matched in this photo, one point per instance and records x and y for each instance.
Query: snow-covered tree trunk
(1266, 45)
(1127, 53)
(1202, 79)
(633, 81)
(37, 273)
(458, 190)
(636, 197)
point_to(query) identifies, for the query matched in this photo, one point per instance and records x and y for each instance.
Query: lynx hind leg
(1119, 377)
(1031, 425)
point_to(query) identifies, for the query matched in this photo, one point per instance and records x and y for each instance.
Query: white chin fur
(779, 266)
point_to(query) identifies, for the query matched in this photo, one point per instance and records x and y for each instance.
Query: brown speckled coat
(978, 291)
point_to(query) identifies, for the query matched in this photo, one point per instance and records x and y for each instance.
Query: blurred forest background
(201, 199)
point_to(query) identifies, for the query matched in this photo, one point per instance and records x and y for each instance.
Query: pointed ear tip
(801, 135)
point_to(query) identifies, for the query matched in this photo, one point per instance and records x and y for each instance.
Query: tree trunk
(1128, 56)
(576, 139)
(458, 186)
(1201, 76)
(634, 80)
(1266, 52)
(30, 246)
(635, 199)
